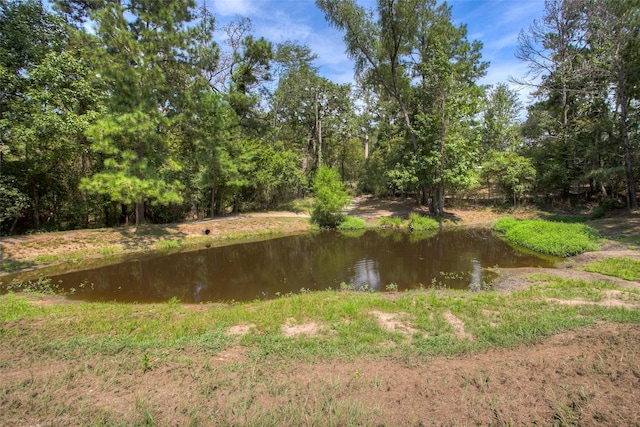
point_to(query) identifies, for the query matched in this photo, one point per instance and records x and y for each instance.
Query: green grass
(352, 223)
(625, 268)
(112, 328)
(418, 222)
(415, 222)
(390, 221)
(167, 244)
(546, 237)
(113, 345)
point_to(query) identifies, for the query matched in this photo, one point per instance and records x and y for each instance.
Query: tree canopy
(134, 110)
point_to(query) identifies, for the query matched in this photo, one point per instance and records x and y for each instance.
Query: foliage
(625, 267)
(12, 200)
(103, 117)
(330, 197)
(583, 58)
(552, 238)
(604, 207)
(513, 175)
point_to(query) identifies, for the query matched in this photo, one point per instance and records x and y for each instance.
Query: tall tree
(613, 32)
(144, 60)
(585, 55)
(448, 65)
(409, 50)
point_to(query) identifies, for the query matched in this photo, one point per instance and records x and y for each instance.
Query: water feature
(373, 260)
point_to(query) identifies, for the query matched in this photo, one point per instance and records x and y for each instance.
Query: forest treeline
(145, 109)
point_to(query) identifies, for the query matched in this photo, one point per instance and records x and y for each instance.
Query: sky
(496, 23)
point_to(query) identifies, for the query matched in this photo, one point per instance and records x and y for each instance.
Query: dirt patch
(611, 298)
(587, 377)
(394, 322)
(458, 326)
(241, 329)
(291, 329)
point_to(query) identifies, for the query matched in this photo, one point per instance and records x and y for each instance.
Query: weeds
(352, 223)
(167, 244)
(418, 222)
(390, 222)
(552, 238)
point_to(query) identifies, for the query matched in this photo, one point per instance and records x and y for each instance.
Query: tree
(144, 60)
(49, 97)
(613, 31)
(501, 130)
(411, 52)
(310, 113)
(448, 65)
(585, 55)
(330, 197)
(513, 175)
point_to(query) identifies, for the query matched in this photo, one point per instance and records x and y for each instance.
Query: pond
(368, 260)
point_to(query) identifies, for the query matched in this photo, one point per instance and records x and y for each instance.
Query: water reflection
(318, 261)
(366, 275)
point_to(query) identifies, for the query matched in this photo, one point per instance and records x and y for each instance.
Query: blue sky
(496, 23)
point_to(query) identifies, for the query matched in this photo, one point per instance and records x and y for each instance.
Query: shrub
(418, 222)
(552, 238)
(330, 197)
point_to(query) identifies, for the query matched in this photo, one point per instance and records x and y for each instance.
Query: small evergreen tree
(330, 197)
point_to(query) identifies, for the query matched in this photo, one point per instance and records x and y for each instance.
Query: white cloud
(233, 7)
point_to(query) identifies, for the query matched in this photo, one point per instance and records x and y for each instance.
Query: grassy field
(103, 347)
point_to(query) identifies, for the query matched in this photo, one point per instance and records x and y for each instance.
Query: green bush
(330, 197)
(558, 239)
(352, 223)
(418, 222)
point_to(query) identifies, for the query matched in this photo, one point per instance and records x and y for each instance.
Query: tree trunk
(36, 201)
(628, 164)
(139, 213)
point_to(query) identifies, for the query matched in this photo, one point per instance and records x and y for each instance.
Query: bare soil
(587, 377)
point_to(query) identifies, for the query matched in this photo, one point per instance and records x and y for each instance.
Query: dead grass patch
(394, 322)
(458, 326)
(291, 329)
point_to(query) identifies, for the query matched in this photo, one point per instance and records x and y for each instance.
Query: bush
(418, 222)
(352, 223)
(330, 197)
(552, 238)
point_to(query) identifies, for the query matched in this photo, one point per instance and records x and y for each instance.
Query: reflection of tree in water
(366, 274)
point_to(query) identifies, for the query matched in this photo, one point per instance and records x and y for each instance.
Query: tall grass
(546, 237)
(352, 223)
(418, 222)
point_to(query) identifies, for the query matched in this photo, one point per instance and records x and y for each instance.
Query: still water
(371, 260)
